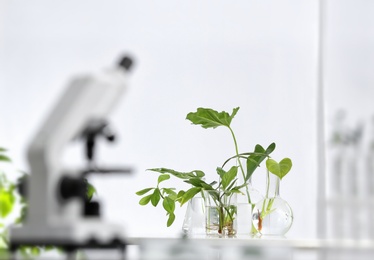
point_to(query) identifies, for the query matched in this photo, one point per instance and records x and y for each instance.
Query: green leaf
(155, 197)
(4, 158)
(91, 190)
(170, 219)
(212, 183)
(228, 177)
(163, 177)
(180, 195)
(35, 251)
(4, 244)
(145, 200)
(270, 148)
(189, 194)
(144, 191)
(255, 159)
(209, 118)
(279, 169)
(214, 194)
(169, 205)
(220, 172)
(231, 185)
(199, 173)
(6, 202)
(48, 248)
(2, 149)
(197, 182)
(22, 216)
(170, 192)
(181, 175)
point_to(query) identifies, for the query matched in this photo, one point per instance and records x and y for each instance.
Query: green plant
(227, 180)
(279, 169)
(13, 203)
(9, 198)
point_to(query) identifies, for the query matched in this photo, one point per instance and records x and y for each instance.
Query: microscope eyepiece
(126, 63)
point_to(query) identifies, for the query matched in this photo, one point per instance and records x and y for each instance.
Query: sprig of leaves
(209, 118)
(169, 196)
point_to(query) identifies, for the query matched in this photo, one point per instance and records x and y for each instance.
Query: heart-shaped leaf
(280, 169)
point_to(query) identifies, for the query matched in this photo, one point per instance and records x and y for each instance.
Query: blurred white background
(258, 55)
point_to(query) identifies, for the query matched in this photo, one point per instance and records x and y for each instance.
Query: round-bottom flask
(273, 215)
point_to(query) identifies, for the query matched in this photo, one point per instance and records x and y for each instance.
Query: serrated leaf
(163, 177)
(170, 219)
(155, 197)
(279, 169)
(145, 200)
(209, 118)
(189, 194)
(144, 191)
(169, 205)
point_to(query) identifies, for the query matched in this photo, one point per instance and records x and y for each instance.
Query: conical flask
(194, 219)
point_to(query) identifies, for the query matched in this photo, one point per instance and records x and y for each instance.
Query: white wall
(259, 55)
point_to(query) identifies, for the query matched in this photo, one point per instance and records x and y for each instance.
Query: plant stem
(267, 183)
(267, 193)
(240, 164)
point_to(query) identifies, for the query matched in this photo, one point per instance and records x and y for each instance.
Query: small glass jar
(220, 213)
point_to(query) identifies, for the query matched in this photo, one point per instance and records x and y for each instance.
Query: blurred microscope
(59, 212)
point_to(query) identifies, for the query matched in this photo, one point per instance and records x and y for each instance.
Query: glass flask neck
(272, 185)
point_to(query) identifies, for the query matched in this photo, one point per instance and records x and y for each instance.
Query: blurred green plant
(13, 204)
